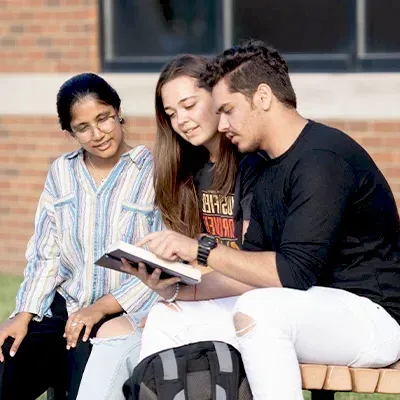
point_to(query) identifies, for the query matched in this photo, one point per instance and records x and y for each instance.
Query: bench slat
(313, 376)
(343, 379)
(338, 378)
(389, 381)
(364, 380)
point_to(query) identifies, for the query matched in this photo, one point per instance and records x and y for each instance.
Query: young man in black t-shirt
(323, 241)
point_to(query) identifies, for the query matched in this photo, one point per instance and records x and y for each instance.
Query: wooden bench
(324, 380)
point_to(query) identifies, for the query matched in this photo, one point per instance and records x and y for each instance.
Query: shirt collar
(74, 154)
(138, 155)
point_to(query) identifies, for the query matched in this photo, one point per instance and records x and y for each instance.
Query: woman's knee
(115, 327)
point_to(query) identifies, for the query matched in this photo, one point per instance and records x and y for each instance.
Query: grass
(356, 396)
(8, 288)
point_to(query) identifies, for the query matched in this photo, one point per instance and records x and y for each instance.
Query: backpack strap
(224, 375)
(170, 375)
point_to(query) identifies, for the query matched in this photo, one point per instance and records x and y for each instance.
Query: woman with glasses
(202, 185)
(94, 196)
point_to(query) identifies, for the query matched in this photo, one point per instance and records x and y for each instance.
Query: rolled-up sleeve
(43, 260)
(133, 295)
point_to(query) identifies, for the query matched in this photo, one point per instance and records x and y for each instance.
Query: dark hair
(79, 86)
(248, 65)
(176, 161)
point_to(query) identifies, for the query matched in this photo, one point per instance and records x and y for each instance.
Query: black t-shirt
(328, 212)
(222, 216)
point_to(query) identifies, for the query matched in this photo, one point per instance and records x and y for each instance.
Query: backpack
(197, 371)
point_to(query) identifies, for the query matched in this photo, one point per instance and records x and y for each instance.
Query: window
(379, 36)
(313, 35)
(144, 34)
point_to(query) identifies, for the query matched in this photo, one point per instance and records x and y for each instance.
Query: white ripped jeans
(277, 329)
(184, 322)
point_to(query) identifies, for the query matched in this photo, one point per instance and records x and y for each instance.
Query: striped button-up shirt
(76, 221)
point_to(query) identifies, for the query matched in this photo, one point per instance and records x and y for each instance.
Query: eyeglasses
(85, 133)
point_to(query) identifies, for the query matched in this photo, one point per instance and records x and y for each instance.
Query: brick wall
(28, 145)
(49, 35)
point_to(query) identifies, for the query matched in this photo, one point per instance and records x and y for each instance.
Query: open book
(112, 259)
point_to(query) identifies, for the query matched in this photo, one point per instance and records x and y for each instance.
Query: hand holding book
(134, 255)
(164, 287)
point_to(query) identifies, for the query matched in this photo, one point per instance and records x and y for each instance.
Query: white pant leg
(184, 322)
(321, 325)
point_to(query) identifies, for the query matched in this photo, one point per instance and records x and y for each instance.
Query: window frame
(356, 60)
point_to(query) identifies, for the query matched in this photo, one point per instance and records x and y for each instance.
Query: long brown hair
(176, 160)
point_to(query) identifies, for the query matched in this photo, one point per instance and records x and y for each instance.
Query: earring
(121, 120)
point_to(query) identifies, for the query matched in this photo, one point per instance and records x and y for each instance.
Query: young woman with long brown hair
(192, 158)
(202, 185)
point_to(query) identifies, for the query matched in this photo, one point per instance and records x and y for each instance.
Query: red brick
(392, 141)
(391, 172)
(27, 41)
(357, 126)
(386, 126)
(336, 124)
(4, 185)
(370, 142)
